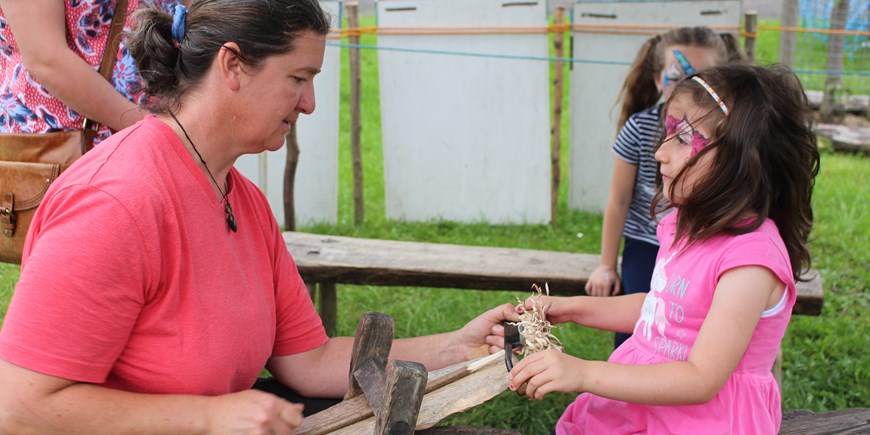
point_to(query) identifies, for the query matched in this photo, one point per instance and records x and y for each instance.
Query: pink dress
(680, 296)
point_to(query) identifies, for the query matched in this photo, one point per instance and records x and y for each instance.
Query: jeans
(638, 262)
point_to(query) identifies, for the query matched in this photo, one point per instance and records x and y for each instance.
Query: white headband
(712, 93)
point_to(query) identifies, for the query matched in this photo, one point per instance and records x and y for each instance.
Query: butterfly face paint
(683, 131)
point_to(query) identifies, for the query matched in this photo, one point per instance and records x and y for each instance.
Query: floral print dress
(27, 107)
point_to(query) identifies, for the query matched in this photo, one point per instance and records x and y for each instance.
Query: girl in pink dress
(737, 162)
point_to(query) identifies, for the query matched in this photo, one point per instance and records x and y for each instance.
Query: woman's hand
(545, 372)
(603, 282)
(253, 412)
(485, 334)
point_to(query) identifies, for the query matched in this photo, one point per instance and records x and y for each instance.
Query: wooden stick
(290, 178)
(556, 125)
(355, 124)
(751, 27)
(328, 306)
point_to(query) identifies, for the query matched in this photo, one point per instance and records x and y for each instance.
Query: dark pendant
(231, 220)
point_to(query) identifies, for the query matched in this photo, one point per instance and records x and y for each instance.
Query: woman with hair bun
(156, 284)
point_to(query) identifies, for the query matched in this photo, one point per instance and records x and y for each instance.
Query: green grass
(826, 363)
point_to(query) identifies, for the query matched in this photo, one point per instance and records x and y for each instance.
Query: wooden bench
(328, 260)
(844, 421)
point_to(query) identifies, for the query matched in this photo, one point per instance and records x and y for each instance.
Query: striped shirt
(634, 145)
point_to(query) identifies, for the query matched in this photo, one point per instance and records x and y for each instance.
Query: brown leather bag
(29, 163)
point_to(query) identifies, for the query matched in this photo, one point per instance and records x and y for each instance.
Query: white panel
(595, 86)
(466, 138)
(316, 189)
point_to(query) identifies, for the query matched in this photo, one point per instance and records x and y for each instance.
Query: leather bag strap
(107, 64)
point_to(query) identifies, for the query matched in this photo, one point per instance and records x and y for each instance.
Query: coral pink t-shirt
(132, 279)
(680, 296)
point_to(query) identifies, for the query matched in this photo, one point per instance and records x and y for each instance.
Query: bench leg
(328, 306)
(777, 368)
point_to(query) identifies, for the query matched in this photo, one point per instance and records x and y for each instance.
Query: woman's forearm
(76, 84)
(32, 402)
(39, 28)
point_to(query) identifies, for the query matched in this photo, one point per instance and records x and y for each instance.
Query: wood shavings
(534, 328)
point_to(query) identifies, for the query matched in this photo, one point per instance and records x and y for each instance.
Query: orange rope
(620, 29)
(810, 30)
(643, 27)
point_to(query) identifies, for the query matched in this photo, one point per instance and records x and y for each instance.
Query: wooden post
(777, 368)
(290, 179)
(556, 123)
(788, 38)
(328, 306)
(832, 108)
(355, 126)
(312, 289)
(751, 34)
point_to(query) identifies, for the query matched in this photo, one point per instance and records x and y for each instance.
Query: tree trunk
(833, 109)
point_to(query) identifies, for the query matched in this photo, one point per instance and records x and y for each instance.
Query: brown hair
(639, 90)
(261, 28)
(766, 161)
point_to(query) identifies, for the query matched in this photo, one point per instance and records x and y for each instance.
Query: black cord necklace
(231, 220)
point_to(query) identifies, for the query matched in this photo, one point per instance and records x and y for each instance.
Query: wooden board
(844, 421)
(846, 138)
(385, 262)
(350, 260)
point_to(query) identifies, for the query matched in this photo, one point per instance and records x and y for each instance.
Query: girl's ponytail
(639, 90)
(733, 53)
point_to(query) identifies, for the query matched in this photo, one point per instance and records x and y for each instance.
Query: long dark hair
(639, 89)
(261, 28)
(766, 158)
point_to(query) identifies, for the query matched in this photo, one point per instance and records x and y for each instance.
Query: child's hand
(603, 282)
(546, 372)
(557, 309)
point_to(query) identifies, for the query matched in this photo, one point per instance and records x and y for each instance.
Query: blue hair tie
(179, 23)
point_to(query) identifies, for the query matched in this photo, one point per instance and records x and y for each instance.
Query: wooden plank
(351, 260)
(466, 430)
(844, 421)
(385, 262)
(844, 137)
